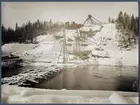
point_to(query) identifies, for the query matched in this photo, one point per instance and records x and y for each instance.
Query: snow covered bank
(31, 77)
(15, 94)
(16, 49)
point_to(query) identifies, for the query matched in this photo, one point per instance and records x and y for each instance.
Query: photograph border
(72, 1)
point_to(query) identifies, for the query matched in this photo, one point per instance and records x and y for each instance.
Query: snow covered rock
(116, 98)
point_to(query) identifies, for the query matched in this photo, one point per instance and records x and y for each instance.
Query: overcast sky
(21, 12)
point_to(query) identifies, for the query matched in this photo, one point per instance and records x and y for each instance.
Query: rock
(116, 98)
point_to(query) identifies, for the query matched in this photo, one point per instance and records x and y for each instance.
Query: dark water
(10, 71)
(86, 78)
(94, 78)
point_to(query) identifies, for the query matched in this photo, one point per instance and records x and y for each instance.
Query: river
(94, 78)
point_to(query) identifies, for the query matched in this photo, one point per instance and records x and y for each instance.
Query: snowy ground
(14, 94)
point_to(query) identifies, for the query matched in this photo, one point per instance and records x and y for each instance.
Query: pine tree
(16, 26)
(132, 25)
(128, 23)
(135, 30)
(112, 21)
(109, 20)
(50, 24)
(137, 21)
(3, 35)
(120, 18)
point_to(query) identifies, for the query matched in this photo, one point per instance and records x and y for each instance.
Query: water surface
(94, 78)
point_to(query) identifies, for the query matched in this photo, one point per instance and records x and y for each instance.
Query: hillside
(103, 46)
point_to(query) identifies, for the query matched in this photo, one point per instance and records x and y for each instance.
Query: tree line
(111, 20)
(128, 22)
(128, 27)
(29, 31)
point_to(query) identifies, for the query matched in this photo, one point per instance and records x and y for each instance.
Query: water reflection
(94, 78)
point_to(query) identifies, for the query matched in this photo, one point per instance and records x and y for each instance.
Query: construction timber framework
(90, 20)
(63, 49)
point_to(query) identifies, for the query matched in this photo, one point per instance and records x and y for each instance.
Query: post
(64, 48)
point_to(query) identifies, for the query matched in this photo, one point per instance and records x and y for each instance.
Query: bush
(83, 55)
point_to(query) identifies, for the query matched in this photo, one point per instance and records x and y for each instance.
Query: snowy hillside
(103, 46)
(111, 54)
